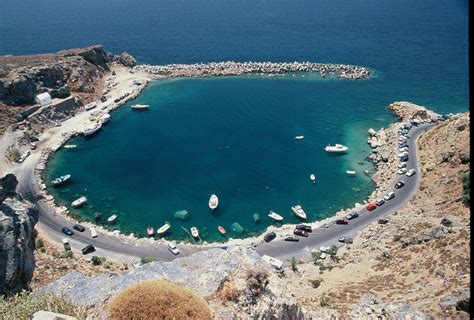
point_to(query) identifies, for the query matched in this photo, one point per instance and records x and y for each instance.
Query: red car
(300, 232)
(371, 206)
(342, 221)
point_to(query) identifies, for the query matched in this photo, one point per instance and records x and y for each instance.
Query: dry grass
(158, 299)
(229, 292)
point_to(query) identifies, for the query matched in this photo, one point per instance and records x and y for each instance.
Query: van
(277, 264)
(93, 232)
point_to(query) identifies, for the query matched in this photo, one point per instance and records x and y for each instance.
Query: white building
(43, 99)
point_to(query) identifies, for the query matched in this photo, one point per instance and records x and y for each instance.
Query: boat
(70, 146)
(275, 216)
(163, 228)
(299, 212)
(312, 177)
(221, 229)
(194, 232)
(336, 148)
(61, 180)
(149, 231)
(97, 215)
(299, 137)
(79, 202)
(112, 218)
(91, 129)
(213, 202)
(104, 118)
(140, 106)
(351, 172)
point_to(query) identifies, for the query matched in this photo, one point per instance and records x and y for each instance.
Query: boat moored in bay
(91, 129)
(351, 172)
(163, 228)
(312, 177)
(79, 202)
(61, 180)
(337, 148)
(213, 202)
(112, 218)
(140, 106)
(299, 137)
(221, 230)
(275, 216)
(149, 231)
(299, 212)
(194, 232)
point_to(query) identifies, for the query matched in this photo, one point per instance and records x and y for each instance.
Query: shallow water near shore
(229, 136)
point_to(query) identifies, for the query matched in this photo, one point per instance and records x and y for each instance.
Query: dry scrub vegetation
(158, 299)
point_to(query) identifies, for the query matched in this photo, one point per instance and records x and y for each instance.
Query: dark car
(342, 221)
(345, 240)
(371, 206)
(352, 215)
(79, 227)
(67, 231)
(380, 202)
(304, 227)
(403, 145)
(269, 236)
(300, 232)
(291, 238)
(404, 158)
(88, 249)
(399, 184)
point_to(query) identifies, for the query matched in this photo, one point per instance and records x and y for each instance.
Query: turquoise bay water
(229, 136)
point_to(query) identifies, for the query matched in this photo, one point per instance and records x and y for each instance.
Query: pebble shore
(232, 68)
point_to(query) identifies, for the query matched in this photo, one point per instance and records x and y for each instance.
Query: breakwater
(232, 68)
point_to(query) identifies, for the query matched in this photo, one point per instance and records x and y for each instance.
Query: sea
(234, 136)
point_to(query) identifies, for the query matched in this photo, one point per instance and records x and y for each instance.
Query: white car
(410, 172)
(402, 165)
(325, 249)
(402, 171)
(389, 195)
(403, 149)
(404, 153)
(172, 247)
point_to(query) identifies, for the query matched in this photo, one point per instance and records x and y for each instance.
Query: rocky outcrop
(57, 112)
(407, 111)
(127, 60)
(17, 220)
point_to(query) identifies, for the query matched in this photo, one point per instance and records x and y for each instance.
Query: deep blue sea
(234, 136)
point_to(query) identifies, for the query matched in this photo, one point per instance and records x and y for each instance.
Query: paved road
(322, 236)
(116, 249)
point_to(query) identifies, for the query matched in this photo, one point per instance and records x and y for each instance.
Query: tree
(63, 92)
(294, 265)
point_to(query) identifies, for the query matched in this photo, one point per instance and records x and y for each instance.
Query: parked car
(404, 144)
(371, 206)
(291, 238)
(390, 195)
(67, 231)
(345, 239)
(79, 227)
(410, 172)
(342, 221)
(402, 165)
(402, 154)
(399, 184)
(269, 236)
(404, 158)
(382, 221)
(380, 202)
(403, 149)
(172, 247)
(88, 249)
(304, 227)
(300, 232)
(352, 215)
(434, 120)
(402, 171)
(325, 249)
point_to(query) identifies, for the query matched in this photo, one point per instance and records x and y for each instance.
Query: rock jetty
(232, 68)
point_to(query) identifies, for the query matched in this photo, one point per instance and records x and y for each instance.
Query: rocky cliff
(17, 220)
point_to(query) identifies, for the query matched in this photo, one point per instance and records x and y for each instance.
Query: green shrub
(144, 259)
(294, 266)
(67, 254)
(466, 186)
(63, 92)
(324, 302)
(95, 260)
(333, 250)
(24, 305)
(39, 244)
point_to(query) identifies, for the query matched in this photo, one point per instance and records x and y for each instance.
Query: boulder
(127, 60)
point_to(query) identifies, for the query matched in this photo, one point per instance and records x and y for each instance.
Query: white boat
(91, 129)
(104, 118)
(112, 218)
(299, 137)
(299, 212)
(336, 148)
(70, 146)
(163, 228)
(61, 180)
(194, 232)
(213, 202)
(275, 216)
(140, 106)
(351, 172)
(79, 202)
(312, 177)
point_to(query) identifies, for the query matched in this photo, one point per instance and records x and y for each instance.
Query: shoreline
(248, 241)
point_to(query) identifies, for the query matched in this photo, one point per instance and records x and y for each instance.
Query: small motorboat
(299, 212)
(69, 146)
(149, 231)
(312, 177)
(275, 216)
(104, 118)
(213, 202)
(351, 172)
(337, 148)
(299, 137)
(91, 129)
(221, 230)
(79, 202)
(194, 232)
(112, 218)
(163, 228)
(140, 106)
(61, 180)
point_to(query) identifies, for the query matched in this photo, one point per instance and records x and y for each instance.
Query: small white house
(43, 99)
